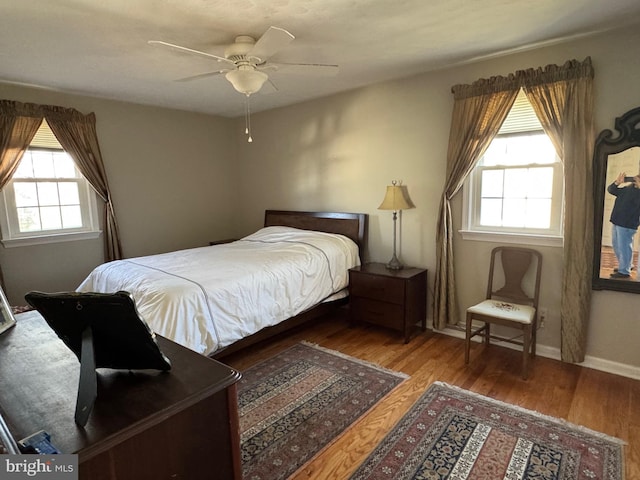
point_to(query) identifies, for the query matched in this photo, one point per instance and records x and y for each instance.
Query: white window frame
(471, 228)
(11, 235)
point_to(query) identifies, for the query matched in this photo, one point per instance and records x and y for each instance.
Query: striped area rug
(451, 433)
(295, 404)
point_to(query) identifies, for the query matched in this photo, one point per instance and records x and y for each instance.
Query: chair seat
(510, 302)
(508, 311)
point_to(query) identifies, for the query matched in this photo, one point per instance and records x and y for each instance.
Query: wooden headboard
(352, 225)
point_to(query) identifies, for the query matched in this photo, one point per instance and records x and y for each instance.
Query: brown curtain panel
(562, 97)
(478, 112)
(16, 133)
(77, 135)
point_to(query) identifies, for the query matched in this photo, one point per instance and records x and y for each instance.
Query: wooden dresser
(181, 424)
(391, 298)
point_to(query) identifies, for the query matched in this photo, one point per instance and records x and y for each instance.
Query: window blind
(45, 138)
(521, 118)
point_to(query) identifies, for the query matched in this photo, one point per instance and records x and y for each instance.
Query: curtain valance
(572, 69)
(34, 110)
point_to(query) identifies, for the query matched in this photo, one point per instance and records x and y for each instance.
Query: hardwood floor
(597, 400)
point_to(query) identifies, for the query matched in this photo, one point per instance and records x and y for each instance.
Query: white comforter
(207, 298)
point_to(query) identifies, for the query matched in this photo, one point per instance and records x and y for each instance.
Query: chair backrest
(515, 263)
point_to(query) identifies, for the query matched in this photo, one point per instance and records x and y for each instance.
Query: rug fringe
(559, 421)
(356, 360)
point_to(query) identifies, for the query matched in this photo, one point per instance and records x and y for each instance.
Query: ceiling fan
(246, 60)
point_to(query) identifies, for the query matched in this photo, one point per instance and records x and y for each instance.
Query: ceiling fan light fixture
(246, 80)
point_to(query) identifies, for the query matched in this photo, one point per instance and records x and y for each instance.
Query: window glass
(517, 186)
(47, 196)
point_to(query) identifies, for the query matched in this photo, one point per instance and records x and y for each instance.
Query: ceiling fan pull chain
(246, 115)
(247, 119)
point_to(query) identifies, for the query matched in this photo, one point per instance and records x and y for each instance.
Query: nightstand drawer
(378, 288)
(379, 313)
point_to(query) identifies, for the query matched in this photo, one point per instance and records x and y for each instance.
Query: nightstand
(395, 299)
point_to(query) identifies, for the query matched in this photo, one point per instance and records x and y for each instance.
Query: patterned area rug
(292, 406)
(451, 433)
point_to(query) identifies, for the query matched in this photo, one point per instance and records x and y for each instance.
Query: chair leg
(467, 339)
(526, 351)
(487, 333)
(534, 338)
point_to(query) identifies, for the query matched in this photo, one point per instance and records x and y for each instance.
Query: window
(47, 198)
(516, 189)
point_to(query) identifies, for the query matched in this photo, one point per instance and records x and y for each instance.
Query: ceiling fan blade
(268, 87)
(307, 68)
(188, 50)
(201, 75)
(268, 44)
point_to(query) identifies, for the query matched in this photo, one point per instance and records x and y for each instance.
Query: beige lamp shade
(396, 198)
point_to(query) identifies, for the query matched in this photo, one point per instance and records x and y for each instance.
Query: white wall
(339, 153)
(171, 174)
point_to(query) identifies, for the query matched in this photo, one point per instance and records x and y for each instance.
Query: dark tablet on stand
(104, 330)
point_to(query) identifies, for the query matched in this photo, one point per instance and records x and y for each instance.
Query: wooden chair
(509, 305)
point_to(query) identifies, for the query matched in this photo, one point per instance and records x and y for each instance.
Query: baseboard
(596, 363)
(611, 367)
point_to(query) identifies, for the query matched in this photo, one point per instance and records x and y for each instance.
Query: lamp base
(394, 264)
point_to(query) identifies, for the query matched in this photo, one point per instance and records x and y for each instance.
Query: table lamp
(396, 198)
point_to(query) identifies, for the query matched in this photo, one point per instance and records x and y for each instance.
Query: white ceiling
(99, 47)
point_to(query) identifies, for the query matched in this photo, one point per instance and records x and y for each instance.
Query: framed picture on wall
(7, 319)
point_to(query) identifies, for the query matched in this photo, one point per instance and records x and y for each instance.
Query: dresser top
(39, 384)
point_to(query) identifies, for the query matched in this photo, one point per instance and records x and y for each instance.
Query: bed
(221, 298)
